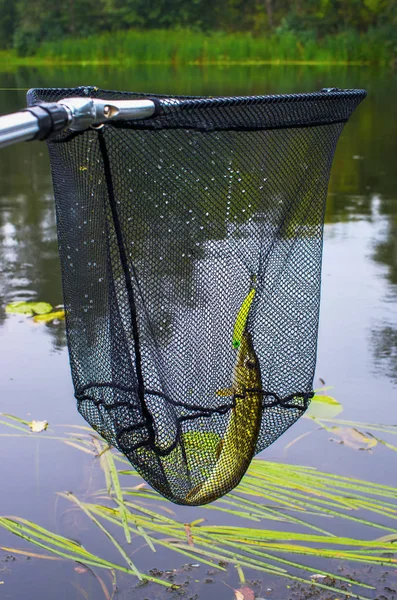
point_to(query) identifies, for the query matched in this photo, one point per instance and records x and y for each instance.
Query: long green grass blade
(104, 464)
(82, 556)
(304, 567)
(108, 456)
(105, 531)
(13, 426)
(14, 418)
(146, 538)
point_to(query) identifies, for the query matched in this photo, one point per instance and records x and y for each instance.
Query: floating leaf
(41, 308)
(28, 308)
(323, 407)
(245, 593)
(49, 316)
(353, 438)
(38, 426)
(19, 308)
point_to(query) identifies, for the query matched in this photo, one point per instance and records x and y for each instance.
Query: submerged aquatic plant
(354, 434)
(284, 511)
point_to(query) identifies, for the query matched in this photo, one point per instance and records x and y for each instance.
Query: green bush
(26, 42)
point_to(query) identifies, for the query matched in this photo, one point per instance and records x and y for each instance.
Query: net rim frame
(206, 101)
(195, 111)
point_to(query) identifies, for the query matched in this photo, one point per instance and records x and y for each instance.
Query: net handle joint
(42, 120)
(87, 112)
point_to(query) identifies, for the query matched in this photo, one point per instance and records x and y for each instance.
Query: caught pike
(238, 445)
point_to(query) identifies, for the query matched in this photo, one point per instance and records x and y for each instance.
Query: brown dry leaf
(244, 593)
(189, 535)
(38, 426)
(81, 569)
(139, 486)
(247, 593)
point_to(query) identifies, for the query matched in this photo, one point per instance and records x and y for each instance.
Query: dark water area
(357, 346)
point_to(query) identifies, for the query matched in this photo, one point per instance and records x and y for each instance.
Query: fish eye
(250, 364)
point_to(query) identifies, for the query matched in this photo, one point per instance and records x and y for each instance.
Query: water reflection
(386, 249)
(363, 164)
(384, 336)
(348, 207)
(28, 248)
(384, 340)
(358, 340)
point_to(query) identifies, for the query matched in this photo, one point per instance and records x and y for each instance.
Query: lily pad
(51, 316)
(323, 407)
(28, 308)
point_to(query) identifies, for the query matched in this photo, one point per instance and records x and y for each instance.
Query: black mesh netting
(165, 227)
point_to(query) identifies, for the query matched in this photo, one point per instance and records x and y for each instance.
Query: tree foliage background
(25, 24)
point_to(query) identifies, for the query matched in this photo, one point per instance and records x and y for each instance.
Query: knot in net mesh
(190, 247)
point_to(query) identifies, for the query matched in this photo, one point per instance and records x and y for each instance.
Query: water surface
(357, 350)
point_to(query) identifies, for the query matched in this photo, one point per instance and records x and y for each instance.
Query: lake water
(357, 350)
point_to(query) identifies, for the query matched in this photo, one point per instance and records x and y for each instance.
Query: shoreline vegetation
(188, 47)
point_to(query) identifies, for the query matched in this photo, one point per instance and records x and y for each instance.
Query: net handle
(77, 114)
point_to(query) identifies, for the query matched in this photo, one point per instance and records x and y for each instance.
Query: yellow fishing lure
(241, 319)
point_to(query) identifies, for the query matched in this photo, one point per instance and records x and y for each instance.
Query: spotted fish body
(239, 442)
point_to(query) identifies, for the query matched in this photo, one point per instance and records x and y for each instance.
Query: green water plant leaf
(50, 316)
(28, 308)
(65, 547)
(323, 407)
(41, 308)
(19, 308)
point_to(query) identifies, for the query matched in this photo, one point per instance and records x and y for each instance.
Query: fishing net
(190, 247)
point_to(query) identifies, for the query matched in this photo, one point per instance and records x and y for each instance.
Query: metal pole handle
(40, 121)
(18, 127)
